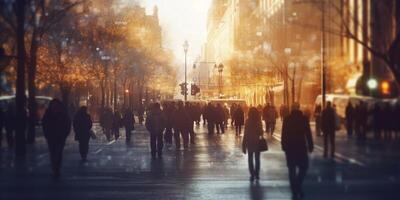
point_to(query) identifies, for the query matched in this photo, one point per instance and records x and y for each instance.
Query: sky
(182, 20)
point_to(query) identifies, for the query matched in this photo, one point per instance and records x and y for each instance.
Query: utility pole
(185, 48)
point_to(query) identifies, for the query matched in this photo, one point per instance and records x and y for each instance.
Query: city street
(214, 168)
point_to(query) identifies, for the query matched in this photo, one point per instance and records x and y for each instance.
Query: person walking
(239, 119)
(56, 128)
(168, 114)
(220, 115)
(232, 112)
(349, 119)
(106, 121)
(182, 125)
(210, 117)
(10, 125)
(253, 131)
(116, 124)
(378, 121)
(82, 125)
(128, 121)
(190, 109)
(296, 143)
(317, 117)
(155, 124)
(328, 126)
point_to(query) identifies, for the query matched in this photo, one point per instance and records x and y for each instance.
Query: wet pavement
(213, 168)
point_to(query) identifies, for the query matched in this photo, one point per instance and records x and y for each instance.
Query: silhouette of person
(220, 118)
(377, 120)
(82, 125)
(10, 124)
(106, 121)
(317, 117)
(116, 124)
(239, 119)
(182, 124)
(1, 126)
(56, 128)
(328, 125)
(128, 121)
(349, 119)
(190, 109)
(210, 116)
(155, 124)
(252, 132)
(296, 142)
(168, 110)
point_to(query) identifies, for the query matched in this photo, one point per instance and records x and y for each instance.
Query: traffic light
(184, 89)
(194, 89)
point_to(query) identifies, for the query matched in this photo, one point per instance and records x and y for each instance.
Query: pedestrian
(283, 111)
(317, 117)
(226, 116)
(56, 128)
(10, 124)
(155, 124)
(220, 118)
(349, 119)
(140, 111)
(210, 116)
(377, 120)
(1, 126)
(116, 124)
(270, 115)
(106, 121)
(253, 132)
(296, 142)
(361, 119)
(328, 126)
(182, 125)
(82, 124)
(168, 110)
(239, 119)
(232, 113)
(396, 115)
(128, 121)
(387, 121)
(192, 115)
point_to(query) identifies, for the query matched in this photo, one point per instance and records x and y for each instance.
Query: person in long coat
(328, 126)
(56, 128)
(252, 132)
(155, 124)
(128, 120)
(296, 143)
(238, 117)
(82, 125)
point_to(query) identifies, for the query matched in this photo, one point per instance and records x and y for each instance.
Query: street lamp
(185, 49)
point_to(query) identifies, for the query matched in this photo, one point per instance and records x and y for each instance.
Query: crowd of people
(173, 123)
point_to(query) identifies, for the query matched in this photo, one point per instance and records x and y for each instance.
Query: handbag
(262, 144)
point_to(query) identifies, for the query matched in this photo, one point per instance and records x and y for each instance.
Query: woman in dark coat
(56, 128)
(129, 123)
(82, 126)
(252, 133)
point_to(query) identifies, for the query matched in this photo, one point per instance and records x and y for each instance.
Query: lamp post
(185, 49)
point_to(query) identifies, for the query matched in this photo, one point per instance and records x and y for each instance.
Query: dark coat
(182, 119)
(328, 120)
(296, 135)
(128, 120)
(239, 116)
(155, 121)
(82, 125)
(252, 133)
(56, 127)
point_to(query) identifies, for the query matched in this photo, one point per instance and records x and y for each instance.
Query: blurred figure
(155, 123)
(226, 116)
(82, 125)
(197, 113)
(128, 121)
(116, 124)
(210, 116)
(10, 125)
(349, 119)
(232, 113)
(397, 116)
(270, 115)
(140, 111)
(1, 126)
(377, 117)
(387, 117)
(182, 123)
(168, 114)
(317, 117)
(56, 127)
(328, 125)
(106, 121)
(252, 132)
(296, 142)
(190, 109)
(283, 111)
(239, 120)
(361, 118)
(219, 122)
